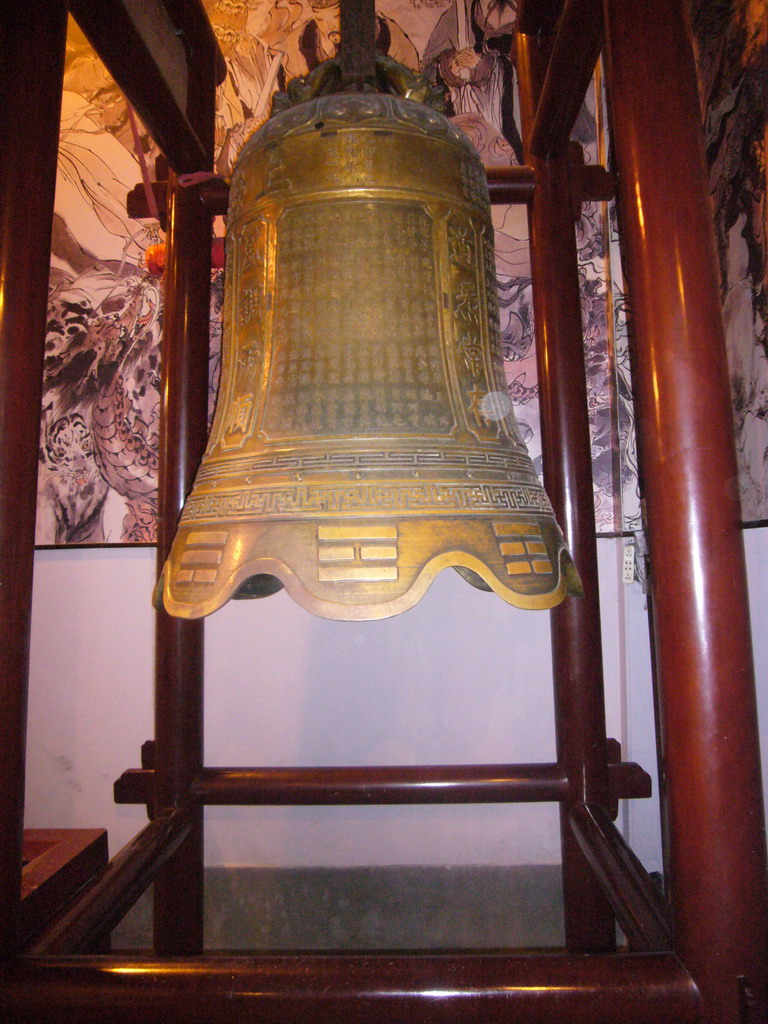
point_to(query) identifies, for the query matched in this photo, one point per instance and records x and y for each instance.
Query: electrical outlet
(628, 567)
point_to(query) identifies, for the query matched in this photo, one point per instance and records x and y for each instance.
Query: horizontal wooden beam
(152, 48)
(506, 186)
(592, 183)
(447, 988)
(434, 784)
(510, 185)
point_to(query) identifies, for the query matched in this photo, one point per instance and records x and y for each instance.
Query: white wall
(756, 547)
(461, 678)
(90, 689)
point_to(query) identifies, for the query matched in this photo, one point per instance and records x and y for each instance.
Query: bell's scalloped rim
(568, 583)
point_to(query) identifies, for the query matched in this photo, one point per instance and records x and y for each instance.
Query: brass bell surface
(363, 438)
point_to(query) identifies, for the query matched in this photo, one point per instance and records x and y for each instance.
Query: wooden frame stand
(701, 955)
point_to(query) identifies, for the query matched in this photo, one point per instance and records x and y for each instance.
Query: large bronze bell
(363, 439)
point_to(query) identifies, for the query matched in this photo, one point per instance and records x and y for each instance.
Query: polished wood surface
(58, 863)
(469, 988)
(640, 909)
(701, 618)
(576, 639)
(89, 921)
(510, 184)
(178, 906)
(701, 621)
(155, 59)
(538, 17)
(357, 53)
(32, 41)
(506, 185)
(407, 784)
(178, 902)
(575, 50)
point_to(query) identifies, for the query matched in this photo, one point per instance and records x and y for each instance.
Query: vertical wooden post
(358, 39)
(701, 617)
(32, 43)
(178, 894)
(576, 638)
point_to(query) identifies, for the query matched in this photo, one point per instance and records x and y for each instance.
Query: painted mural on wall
(99, 428)
(732, 42)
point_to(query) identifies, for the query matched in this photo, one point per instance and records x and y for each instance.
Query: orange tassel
(155, 259)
